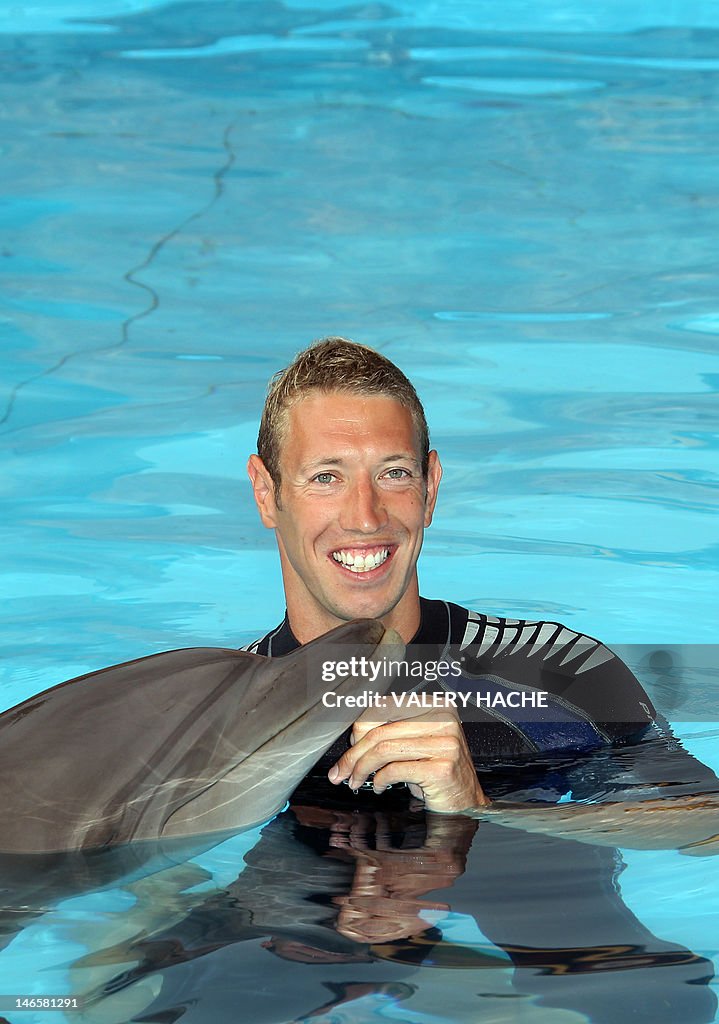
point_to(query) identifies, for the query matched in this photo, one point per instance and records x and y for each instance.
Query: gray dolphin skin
(179, 744)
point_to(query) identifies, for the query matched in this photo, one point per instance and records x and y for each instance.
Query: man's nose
(363, 509)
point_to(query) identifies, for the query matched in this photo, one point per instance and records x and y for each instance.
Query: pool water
(517, 203)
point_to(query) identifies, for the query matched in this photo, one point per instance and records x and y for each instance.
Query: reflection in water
(372, 908)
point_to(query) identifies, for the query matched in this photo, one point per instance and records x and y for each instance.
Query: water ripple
(515, 86)
(248, 44)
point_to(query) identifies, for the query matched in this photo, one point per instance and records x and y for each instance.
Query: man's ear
(434, 475)
(263, 489)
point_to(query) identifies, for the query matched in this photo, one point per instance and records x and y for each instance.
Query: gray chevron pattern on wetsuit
(593, 700)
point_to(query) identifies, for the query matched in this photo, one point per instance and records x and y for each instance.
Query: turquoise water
(517, 204)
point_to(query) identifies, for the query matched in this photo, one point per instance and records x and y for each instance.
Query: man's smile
(363, 561)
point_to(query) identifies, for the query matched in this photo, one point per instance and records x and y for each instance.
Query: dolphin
(174, 745)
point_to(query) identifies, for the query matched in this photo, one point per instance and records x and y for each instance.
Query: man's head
(349, 448)
(333, 364)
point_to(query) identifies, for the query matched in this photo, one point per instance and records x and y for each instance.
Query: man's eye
(397, 474)
(324, 478)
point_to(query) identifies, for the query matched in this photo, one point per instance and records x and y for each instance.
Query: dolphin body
(175, 745)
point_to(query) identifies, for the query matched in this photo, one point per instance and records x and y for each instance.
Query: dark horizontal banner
(575, 681)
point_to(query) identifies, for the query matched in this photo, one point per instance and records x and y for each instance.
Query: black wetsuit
(599, 732)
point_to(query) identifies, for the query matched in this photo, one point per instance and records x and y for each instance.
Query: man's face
(353, 508)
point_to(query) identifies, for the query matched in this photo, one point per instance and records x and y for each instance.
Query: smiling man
(345, 477)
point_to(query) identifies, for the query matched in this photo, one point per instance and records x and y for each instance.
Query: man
(345, 476)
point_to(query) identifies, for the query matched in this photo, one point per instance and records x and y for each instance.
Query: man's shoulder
(487, 633)
(576, 668)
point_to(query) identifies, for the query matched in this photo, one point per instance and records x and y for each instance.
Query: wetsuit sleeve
(593, 698)
(658, 765)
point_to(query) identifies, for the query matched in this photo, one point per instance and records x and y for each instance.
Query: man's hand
(427, 750)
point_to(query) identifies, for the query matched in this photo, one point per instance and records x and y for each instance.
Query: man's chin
(347, 611)
(349, 601)
(352, 615)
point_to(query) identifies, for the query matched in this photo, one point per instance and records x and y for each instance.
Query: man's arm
(429, 752)
(651, 794)
(689, 824)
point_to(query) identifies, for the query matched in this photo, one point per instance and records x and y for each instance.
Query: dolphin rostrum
(178, 744)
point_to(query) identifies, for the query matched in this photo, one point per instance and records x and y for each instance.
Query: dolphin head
(177, 744)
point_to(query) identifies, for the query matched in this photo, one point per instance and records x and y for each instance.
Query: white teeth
(361, 563)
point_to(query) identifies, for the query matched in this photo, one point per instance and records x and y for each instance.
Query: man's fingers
(374, 753)
(436, 773)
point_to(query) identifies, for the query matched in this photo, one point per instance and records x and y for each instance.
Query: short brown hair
(334, 364)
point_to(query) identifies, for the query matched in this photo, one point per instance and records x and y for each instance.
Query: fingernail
(333, 773)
